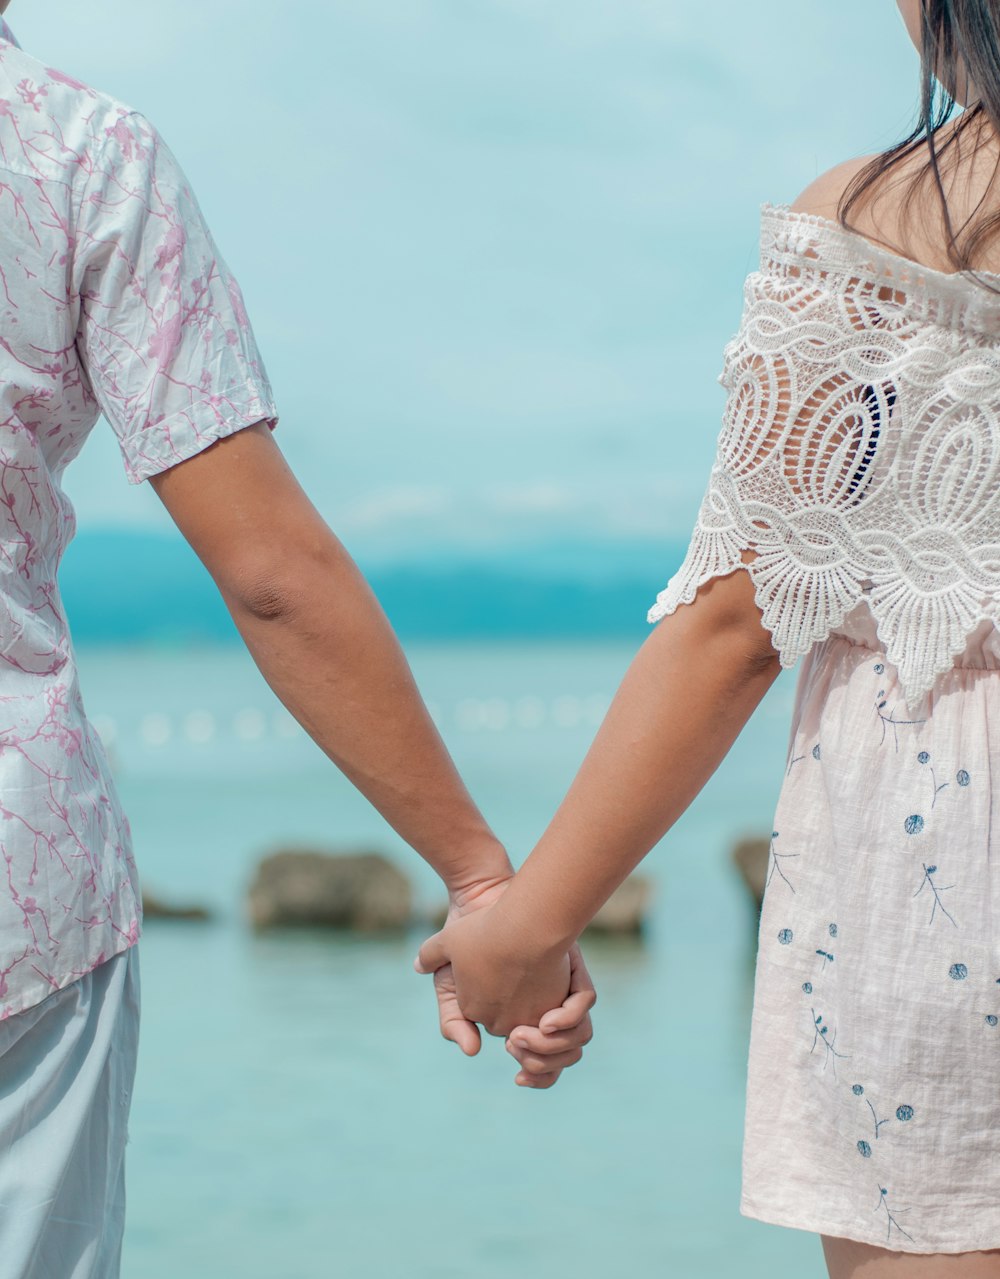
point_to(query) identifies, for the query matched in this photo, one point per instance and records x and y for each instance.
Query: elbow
(760, 657)
(266, 599)
(730, 618)
(274, 593)
(751, 646)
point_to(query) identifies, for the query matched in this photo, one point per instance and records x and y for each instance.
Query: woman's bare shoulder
(823, 196)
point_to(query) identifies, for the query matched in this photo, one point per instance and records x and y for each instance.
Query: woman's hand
(497, 977)
(544, 1051)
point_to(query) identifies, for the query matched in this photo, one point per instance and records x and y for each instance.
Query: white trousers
(66, 1071)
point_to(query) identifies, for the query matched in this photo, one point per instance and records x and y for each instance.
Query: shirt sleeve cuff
(164, 444)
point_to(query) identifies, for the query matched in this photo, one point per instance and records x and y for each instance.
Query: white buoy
(249, 725)
(495, 714)
(567, 711)
(529, 712)
(468, 715)
(199, 726)
(155, 729)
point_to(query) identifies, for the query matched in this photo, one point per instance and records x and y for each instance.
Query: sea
(296, 1112)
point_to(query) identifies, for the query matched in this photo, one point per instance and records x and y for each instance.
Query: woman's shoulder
(823, 197)
(904, 214)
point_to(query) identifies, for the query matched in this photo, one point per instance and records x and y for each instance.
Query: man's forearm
(328, 651)
(324, 645)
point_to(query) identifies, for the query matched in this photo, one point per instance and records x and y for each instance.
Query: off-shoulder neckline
(904, 265)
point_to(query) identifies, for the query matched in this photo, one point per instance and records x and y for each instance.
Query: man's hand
(498, 978)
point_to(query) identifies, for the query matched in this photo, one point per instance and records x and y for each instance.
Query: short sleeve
(798, 480)
(163, 333)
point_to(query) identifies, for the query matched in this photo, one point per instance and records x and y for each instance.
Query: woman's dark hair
(960, 41)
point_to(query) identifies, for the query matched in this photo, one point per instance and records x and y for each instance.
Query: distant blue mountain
(126, 587)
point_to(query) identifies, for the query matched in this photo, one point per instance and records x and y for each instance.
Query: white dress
(860, 460)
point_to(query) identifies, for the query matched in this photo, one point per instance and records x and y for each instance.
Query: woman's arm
(683, 702)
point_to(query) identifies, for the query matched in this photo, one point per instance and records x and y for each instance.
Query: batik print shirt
(114, 301)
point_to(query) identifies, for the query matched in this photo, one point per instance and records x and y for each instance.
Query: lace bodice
(859, 458)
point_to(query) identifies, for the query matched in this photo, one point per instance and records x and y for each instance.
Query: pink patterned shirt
(114, 300)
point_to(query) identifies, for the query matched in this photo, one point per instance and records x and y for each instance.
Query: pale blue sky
(492, 248)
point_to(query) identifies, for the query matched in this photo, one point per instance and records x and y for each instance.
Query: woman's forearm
(682, 704)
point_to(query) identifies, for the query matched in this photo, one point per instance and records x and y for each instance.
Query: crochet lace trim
(859, 457)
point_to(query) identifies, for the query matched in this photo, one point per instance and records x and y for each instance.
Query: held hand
(545, 1051)
(454, 1024)
(501, 979)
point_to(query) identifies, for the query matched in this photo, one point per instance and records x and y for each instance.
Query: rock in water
(155, 907)
(360, 891)
(624, 913)
(750, 857)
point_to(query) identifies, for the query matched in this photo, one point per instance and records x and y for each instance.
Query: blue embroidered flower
(807, 986)
(857, 1090)
(962, 777)
(785, 936)
(923, 757)
(991, 1020)
(833, 930)
(958, 972)
(904, 1113)
(914, 824)
(815, 751)
(879, 668)
(864, 1150)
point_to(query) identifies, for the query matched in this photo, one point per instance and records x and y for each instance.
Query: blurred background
(492, 250)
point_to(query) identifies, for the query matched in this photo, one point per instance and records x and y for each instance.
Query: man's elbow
(274, 592)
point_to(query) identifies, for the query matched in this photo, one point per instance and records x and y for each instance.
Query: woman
(114, 300)
(853, 517)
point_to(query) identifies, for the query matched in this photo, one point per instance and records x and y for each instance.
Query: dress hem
(775, 1217)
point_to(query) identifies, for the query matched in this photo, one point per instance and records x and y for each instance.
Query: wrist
(484, 865)
(534, 925)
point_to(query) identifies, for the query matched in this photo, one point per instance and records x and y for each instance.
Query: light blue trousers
(66, 1072)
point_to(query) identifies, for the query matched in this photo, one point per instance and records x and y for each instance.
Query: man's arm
(324, 645)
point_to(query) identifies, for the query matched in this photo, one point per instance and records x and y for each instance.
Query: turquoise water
(296, 1113)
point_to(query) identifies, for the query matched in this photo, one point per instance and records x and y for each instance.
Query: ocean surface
(296, 1112)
